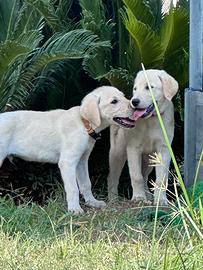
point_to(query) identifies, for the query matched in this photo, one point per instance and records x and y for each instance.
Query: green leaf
(9, 52)
(156, 9)
(97, 66)
(93, 19)
(178, 66)
(147, 42)
(47, 11)
(121, 79)
(141, 10)
(75, 44)
(8, 14)
(28, 20)
(62, 11)
(175, 31)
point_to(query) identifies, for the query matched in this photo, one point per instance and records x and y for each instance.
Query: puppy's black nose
(135, 102)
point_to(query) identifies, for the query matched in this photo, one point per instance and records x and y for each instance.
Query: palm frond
(8, 14)
(156, 9)
(141, 10)
(46, 10)
(97, 66)
(31, 39)
(175, 31)
(122, 79)
(178, 66)
(51, 85)
(62, 11)
(146, 41)
(28, 20)
(75, 44)
(94, 19)
(9, 52)
(184, 4)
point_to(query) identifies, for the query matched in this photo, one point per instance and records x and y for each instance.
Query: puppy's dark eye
(147, 87)
(114, 101)
(135, 88)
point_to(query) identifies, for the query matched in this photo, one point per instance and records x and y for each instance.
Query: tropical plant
(139, 32)
(35, 34)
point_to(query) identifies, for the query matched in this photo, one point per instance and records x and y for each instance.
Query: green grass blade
(196, 175)
(201, 211)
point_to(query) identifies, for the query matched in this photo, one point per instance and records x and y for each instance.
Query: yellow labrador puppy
(146, 138)
(66, 137)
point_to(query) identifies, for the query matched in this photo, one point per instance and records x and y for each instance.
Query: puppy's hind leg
(84, 182)
(146, 170)
(117, 159)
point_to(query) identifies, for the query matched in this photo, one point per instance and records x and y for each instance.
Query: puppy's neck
(103, 125)
(92, 130)
(164, 106)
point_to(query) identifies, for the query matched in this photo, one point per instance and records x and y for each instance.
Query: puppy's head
(107, 104)
(164, 87)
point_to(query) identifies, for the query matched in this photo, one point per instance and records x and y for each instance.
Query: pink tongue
(137, 114)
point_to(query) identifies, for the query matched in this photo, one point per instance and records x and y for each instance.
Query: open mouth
(125, 122)
(143, 112)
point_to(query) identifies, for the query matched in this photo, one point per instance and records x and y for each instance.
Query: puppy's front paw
(141, 199)
(97, 204)
(75, 210)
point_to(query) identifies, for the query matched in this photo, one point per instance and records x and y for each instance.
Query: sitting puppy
(146, 138)
(66, 137)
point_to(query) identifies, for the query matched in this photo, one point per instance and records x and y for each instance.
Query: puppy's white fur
(136, 144)
(59, 136)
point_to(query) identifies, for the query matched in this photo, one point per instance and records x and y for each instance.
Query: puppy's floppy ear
(89, 109)
(170, 85)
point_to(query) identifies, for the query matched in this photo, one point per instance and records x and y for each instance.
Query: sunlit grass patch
(118, 237)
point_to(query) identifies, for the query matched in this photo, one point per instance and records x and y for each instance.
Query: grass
(118, 237)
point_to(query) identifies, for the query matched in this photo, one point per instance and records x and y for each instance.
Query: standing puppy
(146, 138)
(66, 138)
